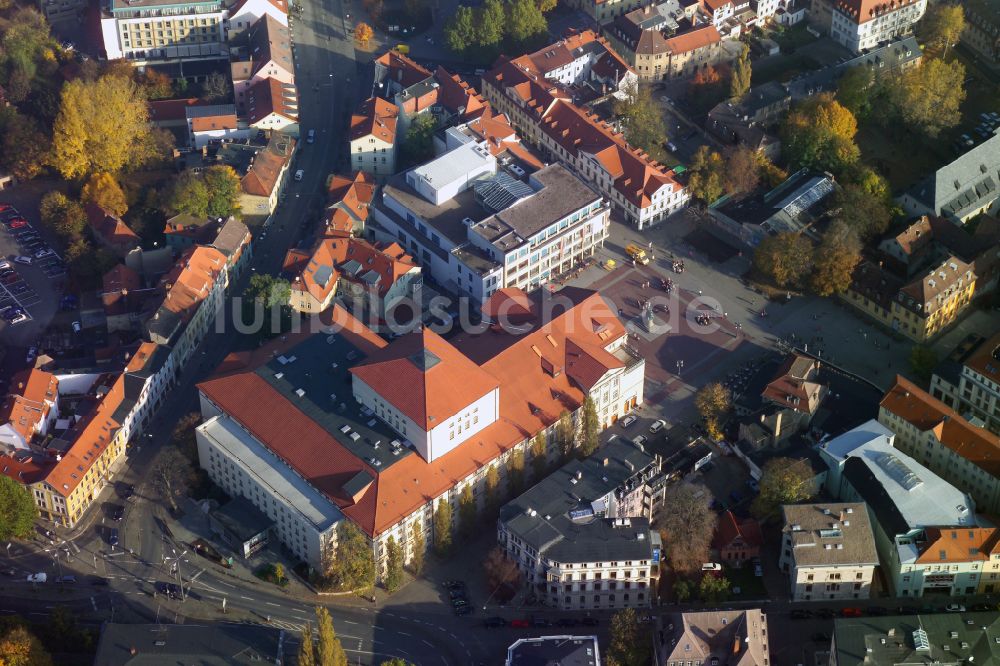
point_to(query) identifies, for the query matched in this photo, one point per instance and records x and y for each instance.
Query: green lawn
(751, 587)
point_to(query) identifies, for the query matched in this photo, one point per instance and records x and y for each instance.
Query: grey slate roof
(968, 183)
(230, 237)
(548, 650)
(944, 638)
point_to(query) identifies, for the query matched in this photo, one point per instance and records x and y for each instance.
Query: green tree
(590, 426)
(352, 566)
(688, 527)
(215, 89)
(515, 472)
(467, 511)
(628, 646)
(101, 189)
(942, 25)
(739, 81)
(442, 528)
(62, 633)
(682, 590)
(418, 147)
(784, 257)
(24, 148)
(224, 190)
(819, 134)
(307, 646)
(923, 360)
(492, 492)
(19, 647)
(865, 213)
(929, 98)
(417, 547)
(17, 510)
(526, 23)
(63, 216)
(393, 566)
(491, 21)
(707, 175)
(713, 588)
(565, 435)
(641, 119)
(102, 125)
(834, 260)
(460, 30)
(713, 402)
(188, 195)
(396, 661)
(539, 458)
(854, 90)
(270, 290)
(329, 651)
(782, 481)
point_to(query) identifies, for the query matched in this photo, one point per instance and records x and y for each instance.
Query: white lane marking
(242, 597)
(428, 643)
(349, 622)
(93, 603)
(271, 603)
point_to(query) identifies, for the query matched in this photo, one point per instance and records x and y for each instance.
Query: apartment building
(349, 200)
(29, 410)
(268, 55)
(659, 42)
(828, 551)
(971, 386)
(407, 424)
(948, 560)
(716, 638)
(373, 137)
(919, 308)
(864, 24)
(373, 278)
(982, 30)
(961, 189)
(161, 30)
(578, 650)
(903, 497)
(936, 435)
(602, 11)
(263, 171)
(537, 98)
(245, 13)
(950, 638)
(477, 227)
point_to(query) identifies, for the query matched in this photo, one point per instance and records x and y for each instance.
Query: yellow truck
(637, 254)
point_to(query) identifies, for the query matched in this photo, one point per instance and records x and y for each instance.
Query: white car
(27, 261)
(19, 318)
(657, 426)
(37, 578)
(711, 566)
(640, 441)
(627, 421)
(4, 265)
(311, 136)
(300, 174)
(955, 608)
(41, 254)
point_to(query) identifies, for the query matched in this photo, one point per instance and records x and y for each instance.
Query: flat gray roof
(446, 219)
(830, 534)
(297, 493)
(561, 194)
(551, 650)
(313, 376)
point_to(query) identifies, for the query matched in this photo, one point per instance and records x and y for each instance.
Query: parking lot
(31, 276)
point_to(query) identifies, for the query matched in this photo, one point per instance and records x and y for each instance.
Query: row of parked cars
(878, 611)
(539, 622)
(458, 596)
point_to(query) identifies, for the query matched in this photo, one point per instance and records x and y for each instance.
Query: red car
(851, 612)
(520, 624)
(4, 207)
(18, 222)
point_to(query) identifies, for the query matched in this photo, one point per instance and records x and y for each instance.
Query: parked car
(5, 265)
(113, 536)
(117, 512)
(590, 621)
(955, 608)
(657, 426)
(566, 622)
(799, 614)
(32, 355)
(494, 622)
(541, 622)
(19, 319)
(18, 223)
(519, 624)
(41, 254)
(628, 421)
(37, 578)
(640, 440)
(876, 611)
(27, 261)
(311, 136)
(65, 580)
(851, 612)
(77, 327)
(300, 174)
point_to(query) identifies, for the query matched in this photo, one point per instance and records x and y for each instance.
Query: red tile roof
(455, 94)
(964, 544)
(928, 414)
(425, 378)
(729, 530)
(862, 11)
(793, 386)
(377, 118)
(354, 194)
(267, 167)
(111, 230)
(402, 70)
(117, 285)
(191, 280)
(211, 123)
(693, 40)
(269, 96)
(33, 392)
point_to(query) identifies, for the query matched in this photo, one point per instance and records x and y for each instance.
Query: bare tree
(687, 525)
(172, 475)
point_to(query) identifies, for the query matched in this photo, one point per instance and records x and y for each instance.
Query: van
(711, 566)
(637, 254)
(311, 136)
